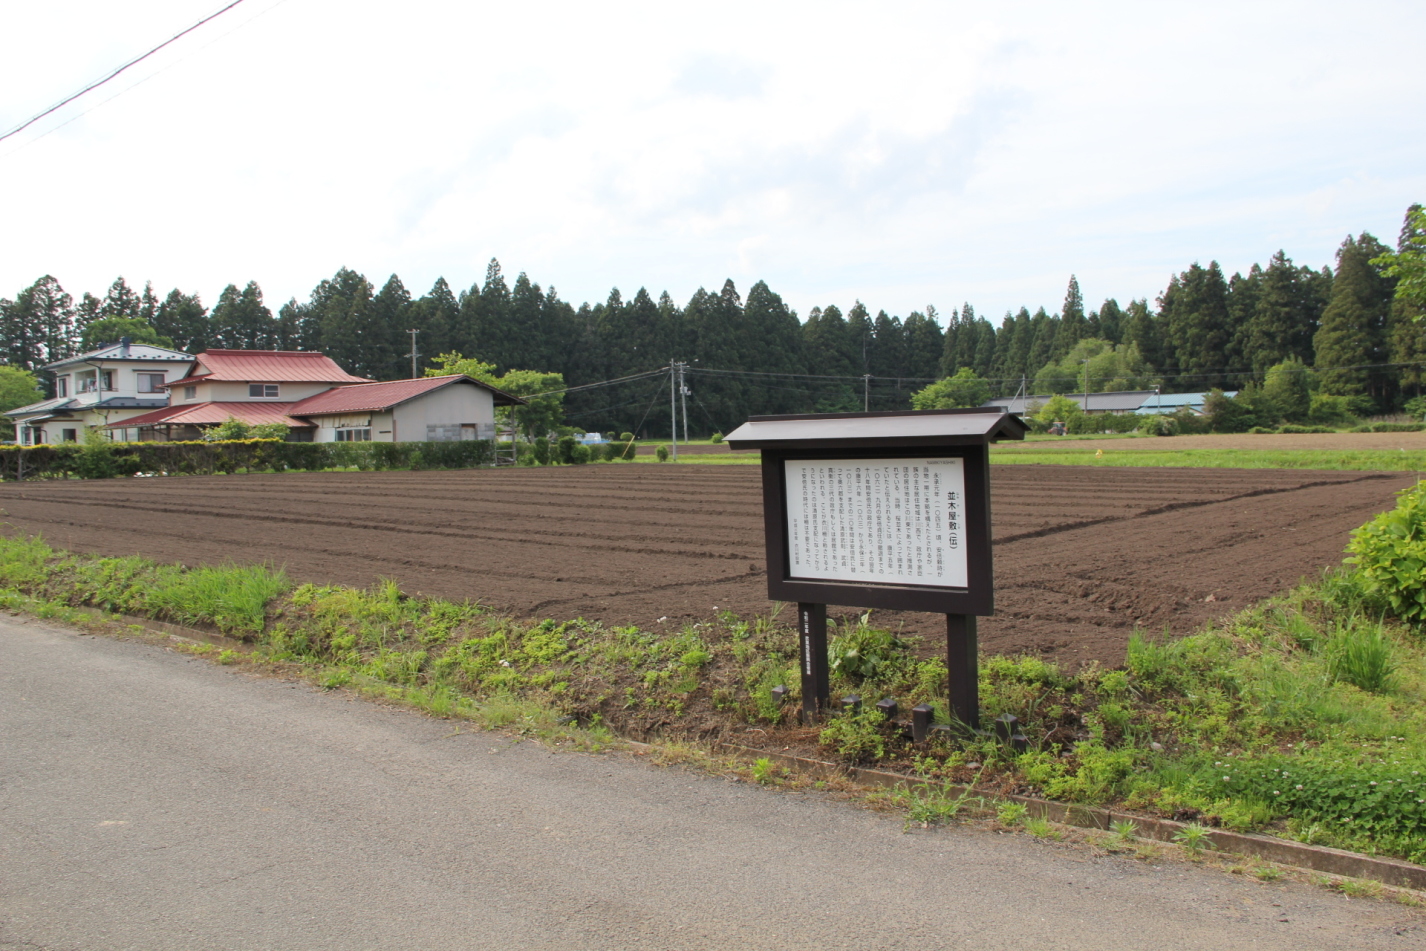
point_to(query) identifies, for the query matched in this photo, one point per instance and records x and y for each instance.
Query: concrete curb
(1282, 851)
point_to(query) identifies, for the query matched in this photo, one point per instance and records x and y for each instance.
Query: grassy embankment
(1136, 450)
(1305, 715)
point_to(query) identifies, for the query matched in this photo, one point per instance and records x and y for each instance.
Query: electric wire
(153, 75)
(99, 82)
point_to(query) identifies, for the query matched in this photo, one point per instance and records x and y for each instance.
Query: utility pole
(866, 392)
(413, 352)
(683, 398)
(673, 404)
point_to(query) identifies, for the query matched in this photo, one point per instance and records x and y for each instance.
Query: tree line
(754, 354)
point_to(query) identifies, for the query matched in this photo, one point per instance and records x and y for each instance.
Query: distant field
(1357, 452)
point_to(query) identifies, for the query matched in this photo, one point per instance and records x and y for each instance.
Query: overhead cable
(99, 82)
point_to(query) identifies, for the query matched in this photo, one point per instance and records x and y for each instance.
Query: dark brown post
(962, 664)
(816, 680)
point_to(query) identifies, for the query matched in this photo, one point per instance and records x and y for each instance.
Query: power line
(99, 82)
(589, 386)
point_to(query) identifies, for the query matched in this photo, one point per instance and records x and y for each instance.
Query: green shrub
(542, 451)
(1087, 424)
(1328, 410)
(1293, 428)
(717, 438)
(564, 451)
(856, 737)
(105, 459)
(96, 462)
(1158, 426)
(1393, 428)
(1361, 653)
(579, 454)
(864, 651)
(662, 453)
(1390, 555)
(611, 451)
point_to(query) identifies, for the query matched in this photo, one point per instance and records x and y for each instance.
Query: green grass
(1372, 460)
(1129, 450)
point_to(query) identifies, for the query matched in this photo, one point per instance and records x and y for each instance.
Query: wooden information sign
(881, 510)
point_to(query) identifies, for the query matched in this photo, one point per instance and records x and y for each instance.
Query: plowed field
(1082, 555)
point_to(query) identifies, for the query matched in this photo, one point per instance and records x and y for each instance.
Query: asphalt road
(149, 800)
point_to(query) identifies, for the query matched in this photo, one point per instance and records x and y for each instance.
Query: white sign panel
(885, 521)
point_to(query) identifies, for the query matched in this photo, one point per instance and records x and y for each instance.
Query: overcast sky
(899, 153)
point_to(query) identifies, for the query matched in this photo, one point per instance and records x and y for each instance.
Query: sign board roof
(930, 428)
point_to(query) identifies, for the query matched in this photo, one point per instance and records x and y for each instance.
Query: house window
(61, 386)
(190, 392)
(29, 435)
(70, 435)
(354, 435)
(150, 382)
(262, 391)
(108, 379)
(85, 383)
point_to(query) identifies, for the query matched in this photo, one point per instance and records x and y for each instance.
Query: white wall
(222, 392)
(327, 426)
(454, 405)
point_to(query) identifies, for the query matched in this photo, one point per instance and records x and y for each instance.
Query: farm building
(1164, 404)
(435, 408)
(1126, 401)
(100, 388)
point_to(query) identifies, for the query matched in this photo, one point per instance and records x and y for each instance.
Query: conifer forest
(748, 353)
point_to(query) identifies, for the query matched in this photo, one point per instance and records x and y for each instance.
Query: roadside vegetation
(1304, 716)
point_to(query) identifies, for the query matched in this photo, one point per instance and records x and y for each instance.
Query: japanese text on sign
(880, 521)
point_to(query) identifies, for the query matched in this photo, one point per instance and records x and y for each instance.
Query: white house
(434, 408)
(98, 389)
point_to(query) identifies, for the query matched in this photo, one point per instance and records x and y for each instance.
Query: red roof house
(255, 386)
(438, 408)
(317, 400)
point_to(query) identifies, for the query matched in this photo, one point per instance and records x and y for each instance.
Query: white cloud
(906, 154)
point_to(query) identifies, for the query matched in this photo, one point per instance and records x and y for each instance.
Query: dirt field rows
(1082, 555)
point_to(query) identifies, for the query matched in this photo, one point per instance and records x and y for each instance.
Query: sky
(901, 154)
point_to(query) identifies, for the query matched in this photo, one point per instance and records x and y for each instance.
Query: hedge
(109, 460)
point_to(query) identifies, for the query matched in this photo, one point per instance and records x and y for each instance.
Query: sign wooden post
(816, 677)
(881, 510)
(962, 665)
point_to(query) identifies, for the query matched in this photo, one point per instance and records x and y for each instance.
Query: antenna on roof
(414, 354)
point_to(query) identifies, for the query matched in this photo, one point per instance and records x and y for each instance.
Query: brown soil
(1082, 554)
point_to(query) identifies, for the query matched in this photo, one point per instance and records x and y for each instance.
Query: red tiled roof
(375, 397)
(268, 366)
(204, 414)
